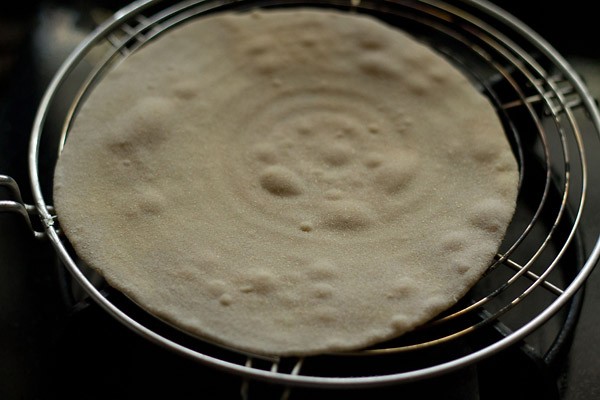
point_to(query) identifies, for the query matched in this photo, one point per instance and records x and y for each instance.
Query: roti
(287, 182)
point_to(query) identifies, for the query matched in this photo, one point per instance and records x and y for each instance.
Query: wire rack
(549, 117)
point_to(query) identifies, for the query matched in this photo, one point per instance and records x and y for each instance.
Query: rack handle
(15, 204)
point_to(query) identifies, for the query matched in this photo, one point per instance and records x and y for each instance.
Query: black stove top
(53, 347)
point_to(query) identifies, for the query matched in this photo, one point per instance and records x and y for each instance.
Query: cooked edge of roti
(287, 182)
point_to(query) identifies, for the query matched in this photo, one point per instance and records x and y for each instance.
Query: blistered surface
(287, 182)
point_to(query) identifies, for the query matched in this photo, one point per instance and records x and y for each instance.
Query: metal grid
(544, 108)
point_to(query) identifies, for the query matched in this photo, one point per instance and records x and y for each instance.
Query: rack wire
(549, 117)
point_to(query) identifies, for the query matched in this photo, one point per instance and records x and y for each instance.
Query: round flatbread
(287, 182)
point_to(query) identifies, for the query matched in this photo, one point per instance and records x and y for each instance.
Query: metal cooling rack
(550, 119)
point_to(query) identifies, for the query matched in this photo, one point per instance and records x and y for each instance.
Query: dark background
(43, 355)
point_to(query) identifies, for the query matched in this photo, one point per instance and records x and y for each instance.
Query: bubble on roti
(287, 182)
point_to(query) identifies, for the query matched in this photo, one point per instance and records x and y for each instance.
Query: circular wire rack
(549, 118)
